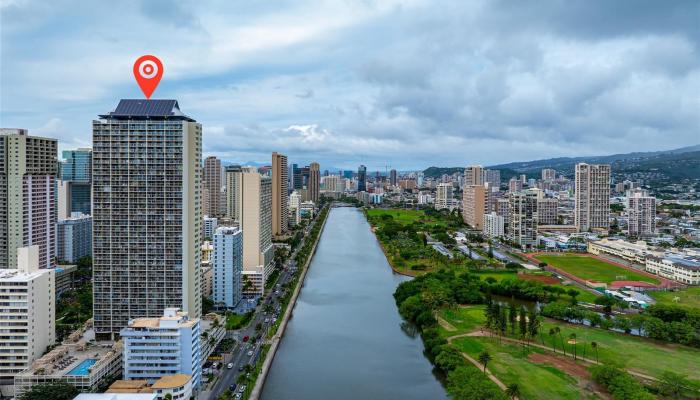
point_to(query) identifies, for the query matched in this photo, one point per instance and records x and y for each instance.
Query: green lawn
(465, 319)
(404, 217)
(590, 268)
(632, 352)
(236, 321)
(510, 364)
(687, 297)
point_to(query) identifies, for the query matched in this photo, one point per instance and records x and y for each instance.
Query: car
(205, 371)
(250, 353)
(240, 368)
(229, 366)
(245, 338)
(242, 389)
(267, 320)
(215, 365)
(238, 395)
(232, 387)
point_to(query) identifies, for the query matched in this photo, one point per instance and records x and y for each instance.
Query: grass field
(593, 269)
(639, 354)
(687, 297)
(510, 364)
(404, 217)
(465, 319)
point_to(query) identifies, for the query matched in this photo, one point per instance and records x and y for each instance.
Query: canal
(345, 339)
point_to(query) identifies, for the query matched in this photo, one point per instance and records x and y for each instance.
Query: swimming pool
(82, 369)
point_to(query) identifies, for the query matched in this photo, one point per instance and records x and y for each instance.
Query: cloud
(400, 82)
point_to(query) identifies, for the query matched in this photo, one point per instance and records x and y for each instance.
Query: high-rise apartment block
(494, 225)
(549, 174)
(74, 238)
(474, 199)
(592, 209)
(162, 346)
(280, 194)
(295, 208)
(28, 312)
(474, 175)
(493, 178)
(314, 182)
(228, 266)
(515, 185)
(547, 211)
(522, 218)
(443, 196)
(212, 185)
(393, 178)
(28, 171)
(233, 182)
(147, 222)
(641, 214)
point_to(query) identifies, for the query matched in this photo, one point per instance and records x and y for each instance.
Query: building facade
(76, 172)
(522, 219)
(167, 345)
(641, 215)
(474, 205)
(474, 175)
(74, 238)
(494, 225)
(212, 185)
(592, 209)
(547, 211)
(280, 193)
(443, 196)
(147, 221)
(228, 265)
(314, 182)
(362, 179)
(28, 172)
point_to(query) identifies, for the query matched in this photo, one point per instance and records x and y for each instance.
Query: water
(83, 369)
(346, 339)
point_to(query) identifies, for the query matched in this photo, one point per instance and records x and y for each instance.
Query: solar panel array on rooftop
(145, 108)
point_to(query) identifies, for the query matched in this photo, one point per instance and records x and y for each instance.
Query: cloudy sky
(403, 83)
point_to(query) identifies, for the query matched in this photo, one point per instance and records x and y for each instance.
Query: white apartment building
(167, 345)
(27, 313)
(592, 209)
(641, 214)
(494, 225)
(228, 264)
(210, 225)
(295, 208)
(443, 198)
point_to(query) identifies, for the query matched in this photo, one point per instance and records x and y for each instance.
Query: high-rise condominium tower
(28, 171)
(212, 185)
(473, 175)
(314, 182)
(362, 179)
(280, 194)
(641, 213)
(522, 218)
(76, 174)
(592, 209)
(393, 178)
(474, 201)
(232, 179)
(443, 198)
(549, 174)
(147, 160)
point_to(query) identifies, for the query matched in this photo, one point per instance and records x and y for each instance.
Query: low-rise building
(213, 332)
(635, 252)
(679, 267)
(167, 345)
(116, 396)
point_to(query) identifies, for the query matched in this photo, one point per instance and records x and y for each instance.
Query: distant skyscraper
(280, 194)
(314, 182)
(515, 185)
(393, 178)
(549, 174)
(77, 165)
(473, 175)
(28, 171)
(362, 179)
(147, 160)
(233, 182)
(228, 266)
(212, 184)
(493, 178)
(474, 205)
(641, 214)
(592, 209)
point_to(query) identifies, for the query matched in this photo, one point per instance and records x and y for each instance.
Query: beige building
(592, 209)
(474, 205)
(28, 209)
(549, 174)
(27, 312)
(314, 182)
(280, 194)
(547, 211)
(252, 198)
(147, 214)
(212, 186)
(474, 175)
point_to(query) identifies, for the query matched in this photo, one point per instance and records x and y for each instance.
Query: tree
(674, 385)
(594, 345)
(557, 330)
(53, 391)
(168, 396)
(484, 358)
(573, 293)
(512, 317)
(513, 390)
(449, 359)
(522, 322)
(572, 339)
(553, 334)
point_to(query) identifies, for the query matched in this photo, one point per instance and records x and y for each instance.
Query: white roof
(116, 396)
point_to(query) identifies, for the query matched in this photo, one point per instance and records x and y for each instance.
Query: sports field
(689, 297)
(593, 269)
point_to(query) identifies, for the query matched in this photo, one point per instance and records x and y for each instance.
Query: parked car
(232, 387)
(229, 366)
(245, 338)
(250, 353)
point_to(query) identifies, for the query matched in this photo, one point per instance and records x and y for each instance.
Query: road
(239, 357)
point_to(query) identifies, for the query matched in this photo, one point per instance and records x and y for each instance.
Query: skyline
(396, 83)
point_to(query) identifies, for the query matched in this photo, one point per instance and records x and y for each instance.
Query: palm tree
(552, 334)
(595, 347)
(572, 339)
(563, 346)
(513, 390)
(484, 358)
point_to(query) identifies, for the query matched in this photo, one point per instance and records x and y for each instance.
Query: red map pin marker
(148, 70)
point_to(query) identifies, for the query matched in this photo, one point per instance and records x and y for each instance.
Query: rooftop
(147, 109)
(171, 381)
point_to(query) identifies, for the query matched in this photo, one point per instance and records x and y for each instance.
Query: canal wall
(277, 337)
